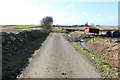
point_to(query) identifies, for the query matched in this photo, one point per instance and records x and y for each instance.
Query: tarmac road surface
(57, 58)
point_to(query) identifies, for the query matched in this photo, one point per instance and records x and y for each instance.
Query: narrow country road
(57, 58)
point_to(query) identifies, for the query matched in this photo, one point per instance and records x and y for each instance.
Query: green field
(20, 26)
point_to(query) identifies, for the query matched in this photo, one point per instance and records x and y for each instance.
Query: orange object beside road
(91, 30)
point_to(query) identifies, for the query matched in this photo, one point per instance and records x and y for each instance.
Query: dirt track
(58, 59)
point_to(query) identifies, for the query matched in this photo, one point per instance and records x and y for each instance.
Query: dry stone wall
(13, 41)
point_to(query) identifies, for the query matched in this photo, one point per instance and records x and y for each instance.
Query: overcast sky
(69, 12)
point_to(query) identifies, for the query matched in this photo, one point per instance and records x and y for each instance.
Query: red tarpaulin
(91, 30)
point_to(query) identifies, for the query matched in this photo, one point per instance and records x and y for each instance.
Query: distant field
(108, 28)
(101, 28)
(19, 26)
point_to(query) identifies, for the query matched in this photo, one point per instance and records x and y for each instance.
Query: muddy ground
(108, 49)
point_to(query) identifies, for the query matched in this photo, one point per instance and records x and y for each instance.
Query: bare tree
(47, 22)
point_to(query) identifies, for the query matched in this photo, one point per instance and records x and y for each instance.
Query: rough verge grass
(101, 65)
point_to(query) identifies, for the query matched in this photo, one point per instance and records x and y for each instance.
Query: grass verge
(102, 66)
(50, 34)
